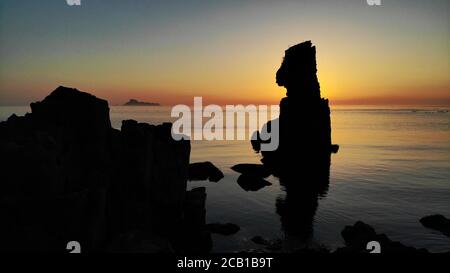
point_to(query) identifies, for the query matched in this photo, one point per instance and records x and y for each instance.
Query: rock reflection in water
(298, 206)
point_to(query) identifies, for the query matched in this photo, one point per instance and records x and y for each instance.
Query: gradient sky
(226, 51)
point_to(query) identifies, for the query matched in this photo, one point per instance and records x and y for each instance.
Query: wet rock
(223, 229)
(252, 183)
(258, 170)
(437, 222)
(357, 237)
(204, 171)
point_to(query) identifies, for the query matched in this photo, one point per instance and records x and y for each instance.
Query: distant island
(134, 102)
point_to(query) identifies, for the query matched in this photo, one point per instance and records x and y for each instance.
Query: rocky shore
(67, 175)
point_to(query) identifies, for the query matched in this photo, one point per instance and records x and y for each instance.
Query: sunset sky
(226, 51)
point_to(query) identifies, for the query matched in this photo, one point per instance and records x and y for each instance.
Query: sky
(226, 51)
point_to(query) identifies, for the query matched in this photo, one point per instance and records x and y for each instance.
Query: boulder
(357, 237)
(252, 183)
(437, 222)
(204, 171)
(258, 170)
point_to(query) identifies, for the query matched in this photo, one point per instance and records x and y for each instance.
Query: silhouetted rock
(194, 236)
(204, 171)
(252, 169)
(302, 159)
(357, 236)
(134, 102)
(68, 175)
(437, 222)
(251, 182)
(334, 148)
(359, 232)
(304, 121)
(223, 229)
(150, 175)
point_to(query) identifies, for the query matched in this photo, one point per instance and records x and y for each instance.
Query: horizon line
(446, 104)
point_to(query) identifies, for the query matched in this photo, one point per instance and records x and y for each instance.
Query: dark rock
(134, 102)
(150, 175)
(260, 240)
(204, 171)
(437, 222)
(252, 183)
(334, 148)
(359, 232)
(304, 122)
(67, 175)
(195, 208)
(303, 156)
(223, 229)
(357, 236)
(252, 169)
(194, 236)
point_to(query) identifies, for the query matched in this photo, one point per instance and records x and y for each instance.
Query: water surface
(393, 168)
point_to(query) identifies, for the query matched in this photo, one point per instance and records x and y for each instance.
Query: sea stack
(304, 121)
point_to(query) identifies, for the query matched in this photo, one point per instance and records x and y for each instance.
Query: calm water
(393, 167)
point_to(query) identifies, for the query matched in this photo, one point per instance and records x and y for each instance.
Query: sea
(392, 168)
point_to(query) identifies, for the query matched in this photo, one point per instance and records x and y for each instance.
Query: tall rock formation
(302, 159)
(304, 121)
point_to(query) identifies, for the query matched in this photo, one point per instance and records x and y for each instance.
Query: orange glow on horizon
(231, 57)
